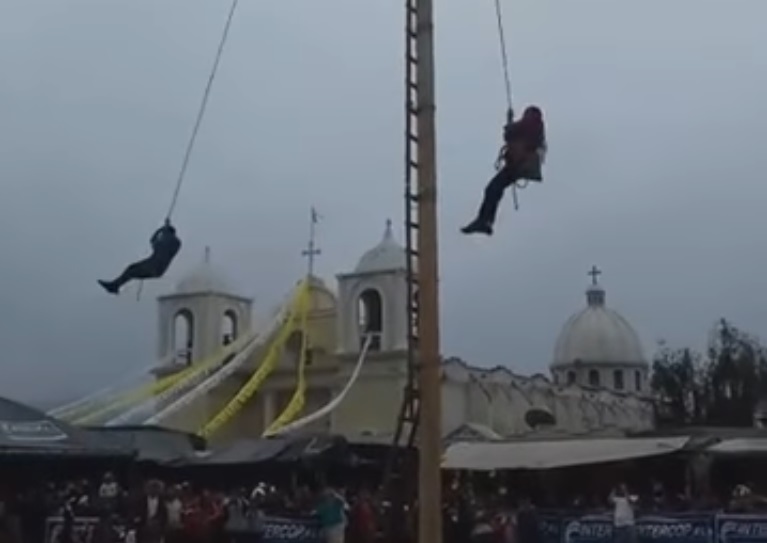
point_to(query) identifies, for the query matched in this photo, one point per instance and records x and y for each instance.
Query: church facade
(598, 371)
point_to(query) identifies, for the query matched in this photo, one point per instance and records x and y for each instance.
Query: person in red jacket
(520, 158)
(362, 519)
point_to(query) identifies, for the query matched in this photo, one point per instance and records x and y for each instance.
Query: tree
(678, 380)
(720, 388)
(736, 375)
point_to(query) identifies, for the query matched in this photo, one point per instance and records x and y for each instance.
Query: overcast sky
(656, 125)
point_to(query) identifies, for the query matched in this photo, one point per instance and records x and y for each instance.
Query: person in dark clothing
(151, 514)
(528, 527)
(519, 158)
(165, 246)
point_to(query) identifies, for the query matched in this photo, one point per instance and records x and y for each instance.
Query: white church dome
(387, 255)
(597, 335)
(205, 278)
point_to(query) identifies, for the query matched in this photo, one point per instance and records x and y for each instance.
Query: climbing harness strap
(201, 111)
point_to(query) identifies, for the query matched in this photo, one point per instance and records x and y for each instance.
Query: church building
(598, 383)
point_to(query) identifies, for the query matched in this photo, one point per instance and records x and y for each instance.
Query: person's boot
(109, 286)
(478, 226)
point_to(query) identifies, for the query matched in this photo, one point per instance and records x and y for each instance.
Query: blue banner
(660, 528)
(569, 528)
(693, 528)
(551, 527)
(741, 528)
(587, 529)
(291, 530)
(555, 528)
(273, 530)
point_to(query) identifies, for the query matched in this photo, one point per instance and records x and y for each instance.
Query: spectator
(332, 514)
(623, 515)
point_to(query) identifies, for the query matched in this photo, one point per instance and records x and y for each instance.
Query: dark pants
(175, 535)
(624, 534)
(494, 190)
(152, 267)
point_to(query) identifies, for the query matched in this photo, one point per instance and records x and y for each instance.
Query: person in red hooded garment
(520, 158)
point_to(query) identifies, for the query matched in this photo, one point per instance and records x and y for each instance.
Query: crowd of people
(155, 511)
(107, 511)
(498, 517)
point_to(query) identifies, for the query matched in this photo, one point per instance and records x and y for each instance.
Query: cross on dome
(595, 294)
(595, 336)
(594, 273)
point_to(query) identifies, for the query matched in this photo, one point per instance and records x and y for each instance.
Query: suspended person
(165, 246)
(520, 158)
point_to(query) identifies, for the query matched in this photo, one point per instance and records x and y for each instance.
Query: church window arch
(618, 383)
(229, 327)
(183, 336)
(594, 378)
(370, 316)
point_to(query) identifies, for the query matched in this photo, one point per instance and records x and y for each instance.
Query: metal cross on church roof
(312, 250)
(594, 273)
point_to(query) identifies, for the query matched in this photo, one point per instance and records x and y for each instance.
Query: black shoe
(478, 227)
(109, 286)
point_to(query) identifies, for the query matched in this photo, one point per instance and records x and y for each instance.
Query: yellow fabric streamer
(297, 401)
(145, 392)
(268, 365)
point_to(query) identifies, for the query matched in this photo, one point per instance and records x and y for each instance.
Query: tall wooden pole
(430, 427)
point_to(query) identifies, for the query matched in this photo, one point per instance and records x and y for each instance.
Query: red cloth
(363, 522)
(529, 130)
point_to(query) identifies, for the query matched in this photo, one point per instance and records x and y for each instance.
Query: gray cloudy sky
(656, 166)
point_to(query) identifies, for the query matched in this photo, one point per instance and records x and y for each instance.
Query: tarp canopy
(276, 449)
(555, 454)
(244, 451)
(743, 446)
(26, 431)
(152, 443)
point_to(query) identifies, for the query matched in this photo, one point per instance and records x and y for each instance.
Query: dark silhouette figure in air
(165, 246)
(519, 158)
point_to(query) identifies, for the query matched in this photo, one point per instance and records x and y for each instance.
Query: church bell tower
(372, 301)
(201, 316)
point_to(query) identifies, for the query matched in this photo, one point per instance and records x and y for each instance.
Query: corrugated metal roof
(555, 454)
(152, 443)
(744, 446)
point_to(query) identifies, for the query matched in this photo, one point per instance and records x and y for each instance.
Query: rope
(504, 53)
(507, 85)
(201, 111)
